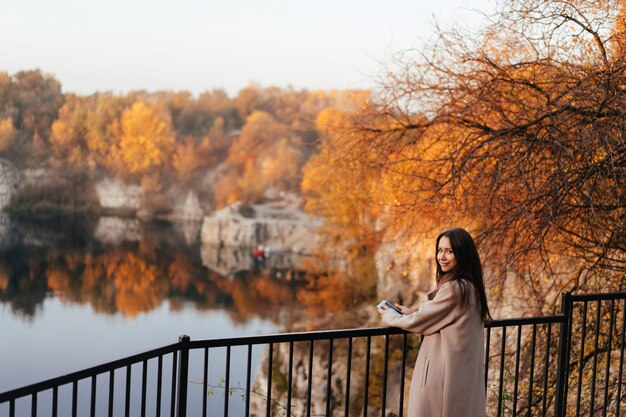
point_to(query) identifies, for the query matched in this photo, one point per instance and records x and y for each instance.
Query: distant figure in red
(258, 252)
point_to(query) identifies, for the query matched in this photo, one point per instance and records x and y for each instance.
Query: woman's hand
(405, 310)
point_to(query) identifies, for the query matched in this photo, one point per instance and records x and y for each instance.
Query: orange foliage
(58, 281)
(146, 137)
(259, 132)
(186, 159)
(337, 185)
(227, 190)
(7, 134)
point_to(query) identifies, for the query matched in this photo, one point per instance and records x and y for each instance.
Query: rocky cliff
(280, 228)
(115, 194)
(182, 205)
(9, 182)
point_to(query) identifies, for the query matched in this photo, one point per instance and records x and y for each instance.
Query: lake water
(77, 293)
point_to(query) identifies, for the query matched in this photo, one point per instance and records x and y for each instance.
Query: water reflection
(115, 230)
(119, 265)
(92, 290)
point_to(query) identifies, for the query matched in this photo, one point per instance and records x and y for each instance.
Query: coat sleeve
(432, 315)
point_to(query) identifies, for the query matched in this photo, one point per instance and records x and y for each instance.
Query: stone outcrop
(190, 229)
(180, 205)
(229, 260)
(281, 233)
(186, 207)
(9, 182)
(41, 177)
(115, 194)
(281, 229)
(115, 230)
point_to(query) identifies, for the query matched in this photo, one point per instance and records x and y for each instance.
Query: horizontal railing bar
(85, 373)
(295, 337)
(598, 296)
(521, 321)
(347, 333)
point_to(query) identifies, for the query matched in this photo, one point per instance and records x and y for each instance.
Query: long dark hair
(468, 267)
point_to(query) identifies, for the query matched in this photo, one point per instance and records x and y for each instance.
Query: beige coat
(448, 380)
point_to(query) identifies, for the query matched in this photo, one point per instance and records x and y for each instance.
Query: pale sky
(198, 45)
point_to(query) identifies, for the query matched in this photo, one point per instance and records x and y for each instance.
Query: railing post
(563, 356)
(183, 373)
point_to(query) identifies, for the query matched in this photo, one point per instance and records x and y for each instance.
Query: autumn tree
(265, 155)
(217, 142)
(102, 128)
(7, 133)
(145, 137)
(195, 117)
(248, 100)
(337, 185)
(259, 132)
(516, 135)
(186, 159)
(280, 166)
(68, 131)
(7, 128)
(31, 99)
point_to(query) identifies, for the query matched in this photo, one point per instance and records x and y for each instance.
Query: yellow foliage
(337, 184)
(136, 282)
(251, 184)
(186, 159)
(259, 132)
(227, 190)
(63, 132)
(280, 166)
(7, 134)
(146, 137)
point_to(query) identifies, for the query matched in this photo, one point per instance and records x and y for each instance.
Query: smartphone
(386, 304)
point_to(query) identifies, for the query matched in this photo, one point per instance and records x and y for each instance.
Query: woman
(448, 379)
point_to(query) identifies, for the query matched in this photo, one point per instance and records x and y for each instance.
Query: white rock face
(229, 260)
(40, 177)
(190, 229)
(113, 193)
(9, 182)
(281, 229)
(226, 261)
(188, 208)
(115, 230)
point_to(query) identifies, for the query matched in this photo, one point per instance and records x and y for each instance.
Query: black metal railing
(567, 364)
